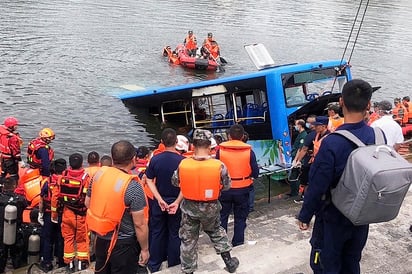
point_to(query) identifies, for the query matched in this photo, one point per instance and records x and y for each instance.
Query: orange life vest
(373, 117)
(5, 136)
(108, 190)
(32, 149)
(73, 186)
(190, 42)
(335, 122)
(214, 51)
(200, 180)
(32, 183)
(316, 145)
(235, 155)
(91, 170)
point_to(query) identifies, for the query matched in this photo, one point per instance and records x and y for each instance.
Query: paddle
(223, 60)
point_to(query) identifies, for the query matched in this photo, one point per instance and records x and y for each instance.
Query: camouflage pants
(189, 235)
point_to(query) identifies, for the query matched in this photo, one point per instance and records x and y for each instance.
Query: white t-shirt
(392, 129)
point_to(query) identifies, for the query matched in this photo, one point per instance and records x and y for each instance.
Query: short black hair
(236, 132)
(123, 152)
(356, 94)
(169, 137)
(93, 157)
(76, 161)
(106, 160)
(142, 152)
(10, 184)
(58, 166)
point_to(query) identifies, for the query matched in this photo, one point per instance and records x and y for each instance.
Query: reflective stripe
(69, 255)
(82, 254)
(53, 208)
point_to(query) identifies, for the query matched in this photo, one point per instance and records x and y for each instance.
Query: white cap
(182, 143)
(214, 143)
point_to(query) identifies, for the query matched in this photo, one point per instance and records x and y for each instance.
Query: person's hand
(173, 207)
(144, 257)
(40, 219)
(303, 226)
(296, 163)
(163, 205)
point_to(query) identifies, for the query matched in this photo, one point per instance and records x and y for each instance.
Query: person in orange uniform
(334, 119)
(51, 236)
(190, 43)
(406, 103)
(10, 152)
(201, 178)
(241, 163)
(400, 112)
(321, 128)
(73, 187)
(115, 204)
(93, 160)
(39, 152)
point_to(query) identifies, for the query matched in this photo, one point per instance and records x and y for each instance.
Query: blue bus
(265, 102)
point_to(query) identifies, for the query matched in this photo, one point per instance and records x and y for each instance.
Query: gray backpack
(374, 182)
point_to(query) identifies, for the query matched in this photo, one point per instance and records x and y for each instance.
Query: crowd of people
(135, 202)
(136, 209)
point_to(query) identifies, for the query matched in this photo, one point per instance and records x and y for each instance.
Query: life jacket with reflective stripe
(52, 190)
(235, 155)
(73, 186)
(190, 42)
(32, 187)
(32, 149)
(200, 179)
(107, 200)
(316, 145)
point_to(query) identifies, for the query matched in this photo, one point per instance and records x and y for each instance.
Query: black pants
(123, 259)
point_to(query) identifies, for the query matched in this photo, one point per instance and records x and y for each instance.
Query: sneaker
(299, 200)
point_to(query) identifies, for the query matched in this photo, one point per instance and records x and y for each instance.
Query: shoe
(141, 270)
(231, 262)
(46, 267)
(299, 200)
(83, 265)
(70, 267)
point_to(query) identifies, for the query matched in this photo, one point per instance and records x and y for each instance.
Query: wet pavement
(274, 244)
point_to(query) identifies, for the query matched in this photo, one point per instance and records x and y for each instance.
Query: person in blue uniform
(242, 165)
(337, 244)
(164, 212)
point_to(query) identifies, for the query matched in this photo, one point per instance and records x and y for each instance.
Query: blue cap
(321, 120)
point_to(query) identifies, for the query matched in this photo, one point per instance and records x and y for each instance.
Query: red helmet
(10, 122)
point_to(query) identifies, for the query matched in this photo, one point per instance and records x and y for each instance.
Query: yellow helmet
(47, 133)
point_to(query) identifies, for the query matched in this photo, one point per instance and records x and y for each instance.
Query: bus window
(295, 96)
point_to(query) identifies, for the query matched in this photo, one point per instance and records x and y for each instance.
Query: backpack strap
(350, 136)
(379, 137)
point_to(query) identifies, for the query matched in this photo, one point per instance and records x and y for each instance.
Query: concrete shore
(274, 244)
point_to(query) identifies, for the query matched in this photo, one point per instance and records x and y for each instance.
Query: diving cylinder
(33, 249)
(10, 225)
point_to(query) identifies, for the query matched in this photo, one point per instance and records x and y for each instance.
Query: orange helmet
(47, 133)
(10, 122)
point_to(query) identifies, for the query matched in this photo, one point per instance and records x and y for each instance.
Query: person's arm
(163, 205)
(173, 207)
(300, 154)
(88, 194)
(254, 165)
(142, 235)
(225, 178)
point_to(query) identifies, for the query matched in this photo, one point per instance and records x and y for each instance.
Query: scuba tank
(10, 225)
(33, 249)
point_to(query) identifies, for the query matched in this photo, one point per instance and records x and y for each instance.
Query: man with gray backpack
(341, 194)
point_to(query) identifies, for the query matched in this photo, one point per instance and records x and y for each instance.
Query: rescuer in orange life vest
(10, 153)
(50, 217)
(190, 43)
(73, 186)
(241, 163)
(201, 178)
(115, 204)
(39, 152)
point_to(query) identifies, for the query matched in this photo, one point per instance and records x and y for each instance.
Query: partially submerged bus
(265, 102)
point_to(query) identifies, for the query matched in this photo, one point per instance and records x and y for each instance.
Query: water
(61, 62)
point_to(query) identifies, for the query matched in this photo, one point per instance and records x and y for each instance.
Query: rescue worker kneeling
(72, 192)
(201, 178)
